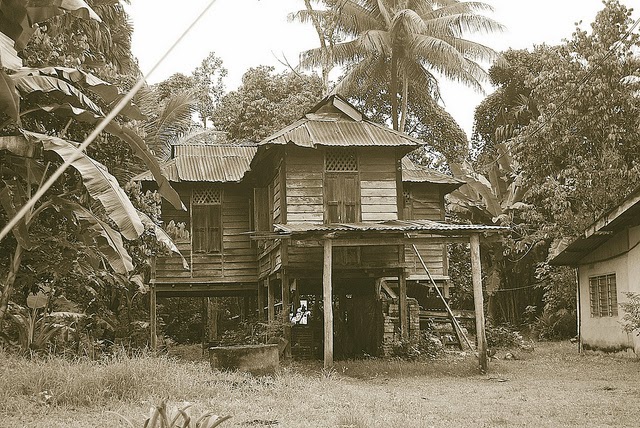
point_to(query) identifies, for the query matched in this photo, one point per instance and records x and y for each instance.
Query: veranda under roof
(427, 226)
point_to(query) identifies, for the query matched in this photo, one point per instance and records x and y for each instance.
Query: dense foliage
(576, 103)
(266, 102)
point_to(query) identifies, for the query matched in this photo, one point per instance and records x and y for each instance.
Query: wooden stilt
(286, 300)
(153, 319)
(212, 319)
(327, 300)
(476, 276)
(403, 306)
(260, 302)
(271, 301)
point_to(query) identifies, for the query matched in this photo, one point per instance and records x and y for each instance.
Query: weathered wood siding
(236, 262)
(304, 185)
(378, 189)
(424, 201)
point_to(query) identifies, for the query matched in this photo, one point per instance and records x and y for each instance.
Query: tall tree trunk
(405, 101)
(325, 52)
(7, 287)
(393, 91)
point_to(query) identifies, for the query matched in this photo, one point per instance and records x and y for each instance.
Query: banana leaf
(9, 99)
(11, 199)
(101, 185)
(87, 81)
(108, 241)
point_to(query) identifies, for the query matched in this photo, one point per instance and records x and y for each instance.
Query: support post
(476, 276)
(260, 302)
(286, 298)
(212, 319)
(154, 319)
(271, 301)
(403, 306)
(327, 302)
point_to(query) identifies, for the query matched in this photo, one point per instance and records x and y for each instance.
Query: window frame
(603, 295)
(214, 243)
(336, 201)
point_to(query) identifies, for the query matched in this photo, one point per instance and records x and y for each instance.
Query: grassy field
(550, 387)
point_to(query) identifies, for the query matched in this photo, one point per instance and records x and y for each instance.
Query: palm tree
(404, 42)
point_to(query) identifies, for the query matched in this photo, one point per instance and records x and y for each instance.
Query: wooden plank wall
(236, 263)
(304, 185)
(426, 203)
(378, 189)
(269, 257)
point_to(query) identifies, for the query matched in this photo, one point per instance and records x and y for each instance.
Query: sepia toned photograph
(319, 213)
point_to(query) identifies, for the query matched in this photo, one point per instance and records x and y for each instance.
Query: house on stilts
(328, 209)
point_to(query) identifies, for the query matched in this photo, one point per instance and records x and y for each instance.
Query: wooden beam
(404, 307)
(260, 303)
(381, 241)
(476, 276)
(327, 301)
(271, 301)
(153, 320)
(212, 319)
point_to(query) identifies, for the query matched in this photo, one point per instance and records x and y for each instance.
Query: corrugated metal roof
(417, 173)
(334, 122)
(625, 214)
(388, 226)
(213, 163)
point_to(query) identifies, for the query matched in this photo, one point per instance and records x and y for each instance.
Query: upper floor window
(341, 185)
(206, 217)
(603, 295)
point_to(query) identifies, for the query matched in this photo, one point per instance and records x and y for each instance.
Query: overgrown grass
(553, 386)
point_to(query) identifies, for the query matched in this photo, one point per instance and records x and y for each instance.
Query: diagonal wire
(123, 102)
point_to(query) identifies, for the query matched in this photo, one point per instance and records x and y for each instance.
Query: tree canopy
(266, 102)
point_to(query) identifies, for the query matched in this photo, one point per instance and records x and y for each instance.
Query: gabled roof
(335, 122)
(626, 214)
(220, 163)
(412, 172)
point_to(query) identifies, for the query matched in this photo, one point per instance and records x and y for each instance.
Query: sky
(249, 33)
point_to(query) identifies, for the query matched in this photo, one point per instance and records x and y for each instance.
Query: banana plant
(106, 204)
(98, 211)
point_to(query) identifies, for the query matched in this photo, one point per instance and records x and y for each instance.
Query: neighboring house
(607, 258)
(328, 207)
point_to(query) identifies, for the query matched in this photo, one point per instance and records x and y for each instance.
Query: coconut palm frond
(473, 50)
(461, 24)
(457, 7)
(173, 118)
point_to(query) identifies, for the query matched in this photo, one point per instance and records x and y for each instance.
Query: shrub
(559, 324)
(503, 336)
(426, 346)
(631, 317)
(162, 417)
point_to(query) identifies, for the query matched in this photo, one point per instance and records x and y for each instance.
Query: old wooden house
(328, 209)
(607, 259)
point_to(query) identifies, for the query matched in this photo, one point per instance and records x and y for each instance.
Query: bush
(503, 336)
(426, 346)
(559, 324)
(631, 318)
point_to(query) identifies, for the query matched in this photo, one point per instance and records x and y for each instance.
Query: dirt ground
(553, 386)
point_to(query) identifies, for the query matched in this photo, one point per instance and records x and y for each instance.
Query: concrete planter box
(255, 359)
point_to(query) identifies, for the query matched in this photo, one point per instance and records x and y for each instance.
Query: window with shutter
(206, 214)
(603, 295)
(341, 186)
